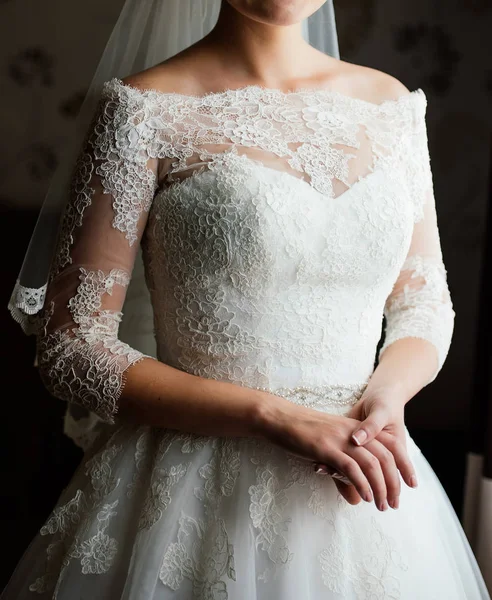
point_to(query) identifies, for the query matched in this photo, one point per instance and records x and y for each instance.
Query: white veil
(147, 32)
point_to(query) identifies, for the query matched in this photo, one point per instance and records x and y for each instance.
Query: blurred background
(49, 51)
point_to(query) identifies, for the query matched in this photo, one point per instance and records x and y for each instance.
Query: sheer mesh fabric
(79, 354)
(144, 143)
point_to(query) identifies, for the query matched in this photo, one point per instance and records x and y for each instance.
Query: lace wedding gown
(277, 229)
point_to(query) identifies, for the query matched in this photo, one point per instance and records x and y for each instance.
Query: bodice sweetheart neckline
(252, 163)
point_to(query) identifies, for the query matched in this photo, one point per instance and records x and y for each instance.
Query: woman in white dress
(284, 203)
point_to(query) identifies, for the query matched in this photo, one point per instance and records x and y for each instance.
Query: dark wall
(444, 47)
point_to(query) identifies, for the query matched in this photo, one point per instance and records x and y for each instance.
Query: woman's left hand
(381, 414)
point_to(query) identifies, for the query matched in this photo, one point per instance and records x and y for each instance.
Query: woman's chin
(277, 12)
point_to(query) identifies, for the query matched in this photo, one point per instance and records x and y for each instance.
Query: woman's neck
(269, 55)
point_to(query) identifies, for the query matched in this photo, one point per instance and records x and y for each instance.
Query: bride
(283, 202)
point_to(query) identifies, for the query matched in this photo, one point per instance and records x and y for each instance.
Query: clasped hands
(376, 453)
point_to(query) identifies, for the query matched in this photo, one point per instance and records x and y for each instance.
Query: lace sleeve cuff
(88, 374)
(85, 361)
(420, 306)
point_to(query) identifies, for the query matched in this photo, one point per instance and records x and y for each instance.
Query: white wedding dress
(277, 229)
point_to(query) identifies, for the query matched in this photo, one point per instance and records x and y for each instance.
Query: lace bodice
(277, 229)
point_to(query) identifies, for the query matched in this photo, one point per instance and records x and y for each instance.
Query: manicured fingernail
(383, 506)
(394, 503)
(359, 437)
(413, 481)
(321, 470)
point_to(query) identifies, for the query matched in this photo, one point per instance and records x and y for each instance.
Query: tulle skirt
(159, 514)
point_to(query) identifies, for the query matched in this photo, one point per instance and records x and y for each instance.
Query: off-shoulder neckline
(256, 90)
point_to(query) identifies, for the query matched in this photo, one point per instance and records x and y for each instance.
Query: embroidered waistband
(320, 397)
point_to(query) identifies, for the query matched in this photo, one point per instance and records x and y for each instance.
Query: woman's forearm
(404, 368)
(159, 395)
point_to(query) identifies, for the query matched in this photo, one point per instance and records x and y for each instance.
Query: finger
(373, 472)
(350, 468)
(349, 492)
(400, 453)
(390, 471)
(346, 489)
(322, 469)
(341, 478)
(369, 428)
(355, 412)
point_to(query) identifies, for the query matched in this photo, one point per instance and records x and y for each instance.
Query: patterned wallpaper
(49, 51)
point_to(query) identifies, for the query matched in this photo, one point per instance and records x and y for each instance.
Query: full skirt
(156, 514)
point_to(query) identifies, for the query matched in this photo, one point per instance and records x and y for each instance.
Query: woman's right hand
(325, 438)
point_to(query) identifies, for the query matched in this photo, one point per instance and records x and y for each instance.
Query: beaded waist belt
(334, 398)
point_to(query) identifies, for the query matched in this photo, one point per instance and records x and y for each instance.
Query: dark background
(49, 52)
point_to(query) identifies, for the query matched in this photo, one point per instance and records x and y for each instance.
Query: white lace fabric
(80, 357)
(277, 229)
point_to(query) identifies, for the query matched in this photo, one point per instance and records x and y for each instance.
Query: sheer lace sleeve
(80, 357)
(420, 304)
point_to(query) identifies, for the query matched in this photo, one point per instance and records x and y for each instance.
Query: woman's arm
(419, 311)
(160, 395)
(406, 366)
(80, 356)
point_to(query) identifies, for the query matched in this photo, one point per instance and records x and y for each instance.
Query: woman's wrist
(269, 413)
(392, 391)
(404, 368)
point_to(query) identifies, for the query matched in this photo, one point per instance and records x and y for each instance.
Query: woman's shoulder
(182, 74)
(370, 84)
